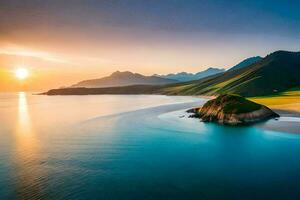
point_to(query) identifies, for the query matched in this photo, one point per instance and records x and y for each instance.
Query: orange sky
(65, 61)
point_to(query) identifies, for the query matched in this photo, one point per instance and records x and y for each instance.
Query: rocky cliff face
(233, 110)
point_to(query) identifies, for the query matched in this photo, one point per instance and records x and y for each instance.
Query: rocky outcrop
(233, 110)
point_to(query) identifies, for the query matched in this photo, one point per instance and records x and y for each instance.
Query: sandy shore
(288, 122)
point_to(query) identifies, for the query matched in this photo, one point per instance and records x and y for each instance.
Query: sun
(21, 73)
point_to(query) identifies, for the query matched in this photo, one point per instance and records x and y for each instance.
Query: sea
(137, 147)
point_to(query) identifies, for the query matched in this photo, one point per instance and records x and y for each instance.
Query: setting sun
(21, 73)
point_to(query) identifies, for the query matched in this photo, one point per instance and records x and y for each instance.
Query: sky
(63, 42)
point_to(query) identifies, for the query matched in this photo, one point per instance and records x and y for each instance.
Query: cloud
(34, 54)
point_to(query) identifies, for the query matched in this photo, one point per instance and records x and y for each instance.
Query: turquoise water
(137, 147)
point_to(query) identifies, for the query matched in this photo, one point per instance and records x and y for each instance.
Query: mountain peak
(214, 69)
(119, 73)
(246, 62)
(282, 53)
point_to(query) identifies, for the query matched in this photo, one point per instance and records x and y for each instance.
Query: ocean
(137, 147)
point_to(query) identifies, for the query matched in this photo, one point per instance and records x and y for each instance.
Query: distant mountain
(184, 76)
(275, 73)
(127, 78)
(246, 62)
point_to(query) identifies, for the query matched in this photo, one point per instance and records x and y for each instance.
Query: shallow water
(137, 147)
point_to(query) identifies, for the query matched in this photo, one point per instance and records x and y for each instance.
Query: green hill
(275, 73)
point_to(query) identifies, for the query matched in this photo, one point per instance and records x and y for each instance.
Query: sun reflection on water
(24, 124)
(27, 156)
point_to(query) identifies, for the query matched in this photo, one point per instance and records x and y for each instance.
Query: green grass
(288, 100)
(233, 104)
(287, 97)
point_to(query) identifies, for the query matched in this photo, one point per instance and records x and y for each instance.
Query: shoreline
(289, 122)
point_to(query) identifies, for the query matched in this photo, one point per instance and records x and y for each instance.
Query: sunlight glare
(21, 73)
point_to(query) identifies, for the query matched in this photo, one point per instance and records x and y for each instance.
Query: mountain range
(184, 76)
(126, 78)
(275, 73)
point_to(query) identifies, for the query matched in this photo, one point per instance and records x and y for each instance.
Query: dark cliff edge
(230, 109)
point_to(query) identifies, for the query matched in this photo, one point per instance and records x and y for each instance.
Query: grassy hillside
(275, 73)
(233, 104)
(288, 100)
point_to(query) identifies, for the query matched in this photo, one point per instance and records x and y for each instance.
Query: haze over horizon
(62, 43)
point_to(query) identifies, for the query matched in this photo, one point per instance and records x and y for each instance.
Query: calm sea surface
(137, 147)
